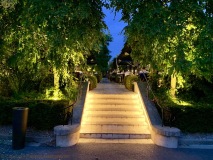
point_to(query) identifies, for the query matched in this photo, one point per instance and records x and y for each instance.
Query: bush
(6, 109)
(128, 81)
(43, 115)
(47, 82)
(196, 117)
(125, 78)
(93, 82)
(99, 77)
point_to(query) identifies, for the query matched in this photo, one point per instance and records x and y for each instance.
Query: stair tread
(111, 129)
(130, 95)
(127, 122)
(112, 105)
(115, 131)
(114, 115)
(115, 109)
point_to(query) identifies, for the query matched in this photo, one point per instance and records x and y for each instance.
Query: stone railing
(161, 135)
(68, 135)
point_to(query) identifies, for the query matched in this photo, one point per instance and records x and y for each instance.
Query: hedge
(43, 115)
(128, 81)
(93, 82)
(99, 77)
(193, 119)
(197, 117)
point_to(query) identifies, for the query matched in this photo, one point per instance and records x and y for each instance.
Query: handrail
(163, 110)
(68, 115)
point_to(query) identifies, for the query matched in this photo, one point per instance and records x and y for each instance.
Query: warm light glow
(53, 94)
(180, 102)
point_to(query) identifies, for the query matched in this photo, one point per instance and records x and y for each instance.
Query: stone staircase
(113, 116)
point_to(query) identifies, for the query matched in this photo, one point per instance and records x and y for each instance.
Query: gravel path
(7, 130)
(33, 137)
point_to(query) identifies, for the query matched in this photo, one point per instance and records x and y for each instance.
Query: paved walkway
(107, 87)
(99, 151)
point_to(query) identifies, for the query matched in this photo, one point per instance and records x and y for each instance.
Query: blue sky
(115, 27)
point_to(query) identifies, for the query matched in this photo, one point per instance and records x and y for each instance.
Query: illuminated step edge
(115, 136)
(111, 101)
(114, 132)
(113, 96)
(115, 121)
(124, 106)
(111, 109)
(113, 114)
(113, 128)
(138, 105)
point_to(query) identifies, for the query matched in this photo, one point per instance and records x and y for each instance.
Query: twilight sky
(115, 27)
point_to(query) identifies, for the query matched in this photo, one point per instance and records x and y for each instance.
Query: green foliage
(46, 115)
(171, 36)
(47, 82)
(129, 80)
(103, 56)
(43, 115)
(99, 77)
(197, 90)
(38, 36)
(190, 116)
(194, 119)
(93, 82)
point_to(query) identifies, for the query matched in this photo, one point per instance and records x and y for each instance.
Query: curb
(196, 143)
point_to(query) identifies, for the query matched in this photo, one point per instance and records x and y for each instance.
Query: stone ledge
(166, 131)
(67, 135)
(162, 136)
(63, 130)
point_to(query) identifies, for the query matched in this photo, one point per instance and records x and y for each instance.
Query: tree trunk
(173, 84)
(56, 83)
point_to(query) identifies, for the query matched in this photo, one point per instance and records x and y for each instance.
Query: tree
(46, 36)
(103, 56)
(172, 36)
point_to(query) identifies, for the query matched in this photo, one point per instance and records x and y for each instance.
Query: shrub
(47, 82)
(196, 117)
(99, 77)
(43, 115)
(125, 79)
(47, 114)
(128, 81)
(93, 82)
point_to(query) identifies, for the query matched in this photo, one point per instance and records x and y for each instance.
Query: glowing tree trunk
(56, 83)
(173, 84)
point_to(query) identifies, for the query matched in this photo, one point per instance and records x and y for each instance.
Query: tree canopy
(43, 36)
(172, 36)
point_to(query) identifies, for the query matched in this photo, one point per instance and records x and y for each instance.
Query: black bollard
(20, 116)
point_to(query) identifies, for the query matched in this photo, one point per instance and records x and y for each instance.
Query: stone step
(113, 128)
(115, 131)
(113, 107)
(113, 96)
(112, 101)
(115, 121)
(115, 135)
(114, 114)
